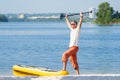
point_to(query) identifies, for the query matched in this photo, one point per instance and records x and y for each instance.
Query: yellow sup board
(22, 70)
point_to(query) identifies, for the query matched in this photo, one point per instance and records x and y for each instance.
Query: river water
(42, 44)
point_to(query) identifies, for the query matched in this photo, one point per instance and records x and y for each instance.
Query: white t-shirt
(74, 37)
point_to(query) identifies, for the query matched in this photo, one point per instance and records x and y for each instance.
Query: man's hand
(81, 15)
(66, 16)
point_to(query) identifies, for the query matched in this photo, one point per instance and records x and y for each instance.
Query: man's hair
(75, 21)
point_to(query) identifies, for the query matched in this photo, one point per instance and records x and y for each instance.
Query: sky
(52, 6)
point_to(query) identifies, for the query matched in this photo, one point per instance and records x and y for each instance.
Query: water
(42, 44)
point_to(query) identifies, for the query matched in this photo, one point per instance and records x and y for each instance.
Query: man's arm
(80, 21)
(68, 21)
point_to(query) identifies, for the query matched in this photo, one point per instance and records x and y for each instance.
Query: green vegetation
(116, 17)
(3, 18)
(106, 14)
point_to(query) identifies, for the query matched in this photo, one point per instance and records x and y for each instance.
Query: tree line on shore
(3, 18)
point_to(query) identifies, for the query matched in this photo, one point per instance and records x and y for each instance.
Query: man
(73, 45)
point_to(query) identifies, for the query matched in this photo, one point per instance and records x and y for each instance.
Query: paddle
(62, 15)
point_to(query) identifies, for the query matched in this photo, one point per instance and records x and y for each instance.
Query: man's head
(74, 24)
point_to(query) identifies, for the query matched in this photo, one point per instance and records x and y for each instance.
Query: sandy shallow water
(69, 77)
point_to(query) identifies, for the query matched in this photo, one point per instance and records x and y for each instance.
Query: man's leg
(64, 65)
(73, 60)
(66, 55)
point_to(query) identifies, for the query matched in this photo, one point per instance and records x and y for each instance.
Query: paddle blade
(62, 15)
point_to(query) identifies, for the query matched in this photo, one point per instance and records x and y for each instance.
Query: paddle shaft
(78, 13)
(63, 15)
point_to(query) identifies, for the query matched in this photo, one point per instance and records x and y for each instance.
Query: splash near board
(22, 70)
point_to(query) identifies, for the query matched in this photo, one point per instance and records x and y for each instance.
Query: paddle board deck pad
(22, 70)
